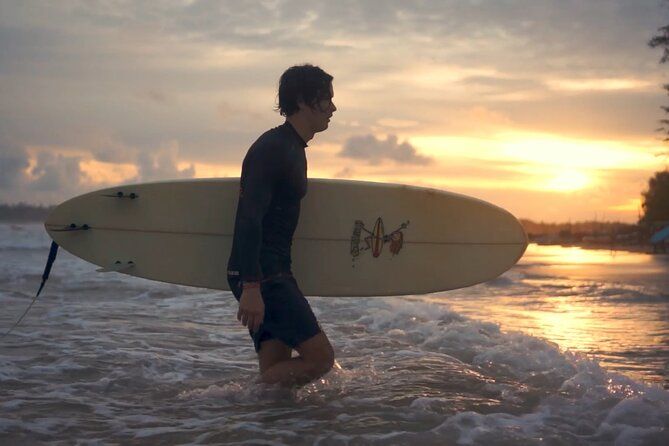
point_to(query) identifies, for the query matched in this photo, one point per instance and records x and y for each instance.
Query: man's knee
(319, 368)
(323, 362)
(318, 353)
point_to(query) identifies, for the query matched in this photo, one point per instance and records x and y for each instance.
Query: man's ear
(301, 105)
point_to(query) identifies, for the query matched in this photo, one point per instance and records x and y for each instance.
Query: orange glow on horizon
(632, 205)
(568, 181)
(497, 168)
(210, 170)
(539, 149)
(578, 85)
(107, 173)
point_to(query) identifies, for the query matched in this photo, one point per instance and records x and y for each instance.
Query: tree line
(23, 212)
(655, 204)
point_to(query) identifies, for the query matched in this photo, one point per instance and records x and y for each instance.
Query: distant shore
(611, 236)
(24, 213)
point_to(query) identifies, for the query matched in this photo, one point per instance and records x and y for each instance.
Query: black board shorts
(288, 316)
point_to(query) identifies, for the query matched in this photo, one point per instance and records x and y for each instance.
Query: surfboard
(354, 238)
(660, 236)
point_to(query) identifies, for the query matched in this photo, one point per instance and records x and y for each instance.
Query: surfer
(273, 182)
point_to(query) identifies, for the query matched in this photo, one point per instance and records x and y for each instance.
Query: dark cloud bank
(374, 151)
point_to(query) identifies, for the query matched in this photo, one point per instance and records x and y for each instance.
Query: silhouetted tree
(656, 199)
(661, 39)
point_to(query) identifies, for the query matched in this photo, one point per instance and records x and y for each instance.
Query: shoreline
(638, 249)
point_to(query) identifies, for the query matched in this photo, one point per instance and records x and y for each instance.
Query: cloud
(600, 84)
(155, 95)
(162, 164)
(106, 148)
(514, 83)
(113, 154)
(541, 32)
(397, 123)
(501, 85)
(13, 164)
(55, 173)
(346, 172)
(368, 147)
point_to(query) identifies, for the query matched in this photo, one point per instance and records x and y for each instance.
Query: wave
(580, 403)
(23, 236)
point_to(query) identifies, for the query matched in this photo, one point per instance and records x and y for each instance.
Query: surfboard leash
(45, 276)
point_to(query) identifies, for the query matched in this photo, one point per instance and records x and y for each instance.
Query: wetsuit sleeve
(259, 176)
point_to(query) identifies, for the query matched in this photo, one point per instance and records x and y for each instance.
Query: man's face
(321, 113)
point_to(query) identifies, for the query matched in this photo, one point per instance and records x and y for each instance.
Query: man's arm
(255, 195)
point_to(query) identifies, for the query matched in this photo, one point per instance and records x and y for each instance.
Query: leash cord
(52, 257)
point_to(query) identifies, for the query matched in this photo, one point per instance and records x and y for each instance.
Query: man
(273, 182)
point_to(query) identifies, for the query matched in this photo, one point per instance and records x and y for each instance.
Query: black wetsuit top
(273, 182)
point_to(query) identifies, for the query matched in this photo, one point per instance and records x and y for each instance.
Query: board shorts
(288, 315)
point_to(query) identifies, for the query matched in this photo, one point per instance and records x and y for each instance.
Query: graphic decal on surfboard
(376, 238)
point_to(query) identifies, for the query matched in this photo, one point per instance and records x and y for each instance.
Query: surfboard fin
(117, 267)
(120, 194)
(72, 227)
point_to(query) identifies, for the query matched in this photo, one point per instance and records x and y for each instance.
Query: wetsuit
(273, 182)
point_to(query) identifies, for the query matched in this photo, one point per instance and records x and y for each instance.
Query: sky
(548, 108)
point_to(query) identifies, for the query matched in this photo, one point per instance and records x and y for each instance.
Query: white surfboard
(354, 238)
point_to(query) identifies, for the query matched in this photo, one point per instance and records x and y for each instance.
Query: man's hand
(251, 308)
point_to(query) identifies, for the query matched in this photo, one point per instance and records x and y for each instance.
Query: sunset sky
(546, 108)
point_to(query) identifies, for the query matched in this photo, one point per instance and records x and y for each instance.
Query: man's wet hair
(307, 82)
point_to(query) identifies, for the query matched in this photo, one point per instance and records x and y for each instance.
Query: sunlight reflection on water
(613, 305)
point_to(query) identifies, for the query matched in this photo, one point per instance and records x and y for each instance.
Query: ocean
(569, 347)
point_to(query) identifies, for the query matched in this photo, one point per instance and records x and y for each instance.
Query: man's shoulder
(271, 143)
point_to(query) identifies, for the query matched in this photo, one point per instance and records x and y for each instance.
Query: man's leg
(272, 351)
(315, 360)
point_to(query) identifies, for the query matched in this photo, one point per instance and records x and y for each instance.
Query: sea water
(569, 347)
